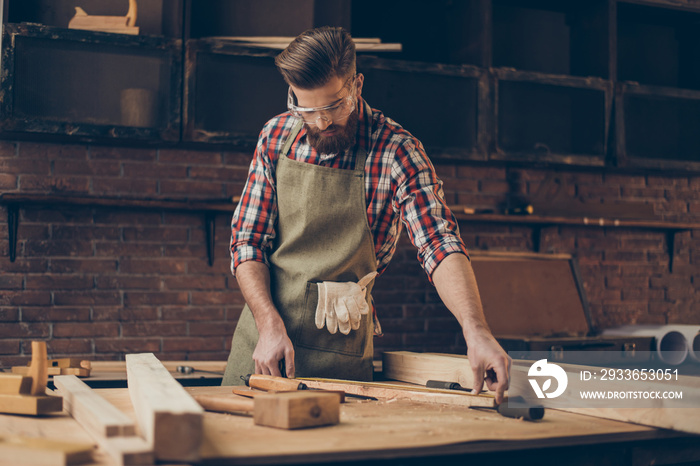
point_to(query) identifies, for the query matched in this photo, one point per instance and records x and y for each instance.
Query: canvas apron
(322, 235)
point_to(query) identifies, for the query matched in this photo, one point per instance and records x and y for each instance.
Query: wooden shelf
(538, 222)
(16, 201)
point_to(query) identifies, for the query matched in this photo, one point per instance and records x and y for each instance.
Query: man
(320, 216)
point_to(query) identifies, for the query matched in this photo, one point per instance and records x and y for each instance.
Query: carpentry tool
(61, 366)
(281, 384)
(286, 410)
(26, 394)
(511, 407)
(189, 370)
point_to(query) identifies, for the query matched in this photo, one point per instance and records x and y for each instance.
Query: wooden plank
(296, 410)
(387, 391)
(111, 428)
(168, 417)
(92, 411)
(17, 450)
(417, 366)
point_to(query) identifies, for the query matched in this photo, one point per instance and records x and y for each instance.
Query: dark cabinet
(582, 82)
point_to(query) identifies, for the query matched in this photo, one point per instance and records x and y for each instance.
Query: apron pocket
(309, 336)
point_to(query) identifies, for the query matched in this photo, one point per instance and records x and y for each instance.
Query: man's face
(330, 132)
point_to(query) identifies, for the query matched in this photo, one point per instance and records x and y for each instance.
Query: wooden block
(168, 417)
(93, 412)
(35, 451)
(15, 384)
(30, 404)
(295, 410)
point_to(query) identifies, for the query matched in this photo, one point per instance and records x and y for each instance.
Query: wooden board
(53, 371)
(368, 430)
(419, 366)
(168, 417)
(92, 411)
(16, 450)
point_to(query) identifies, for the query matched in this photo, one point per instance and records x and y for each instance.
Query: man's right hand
(274, 346)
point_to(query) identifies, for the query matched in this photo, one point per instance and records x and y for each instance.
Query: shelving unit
(583, 82)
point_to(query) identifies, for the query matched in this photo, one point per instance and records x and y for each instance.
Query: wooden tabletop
(368, 430)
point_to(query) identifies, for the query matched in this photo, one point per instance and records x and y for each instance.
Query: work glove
(341, 305)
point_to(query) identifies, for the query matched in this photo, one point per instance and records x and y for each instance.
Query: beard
(342, 140)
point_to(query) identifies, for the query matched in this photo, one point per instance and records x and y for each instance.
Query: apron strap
(292, 136)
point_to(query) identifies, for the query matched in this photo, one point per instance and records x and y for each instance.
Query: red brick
(239, 159)
(122, 314)
(130, 187)
(89, 168)
(9, 314)
(122, 153)
(190, 157)
(58, 282)
(11, 282)
(87, 298)
(54, 184)
(9, 346)
(154, 171)
(135, 298)
(131, 249)
(192, 344)
(24, 330)
(86, 266)
(25, 298)
(91, 329)
(84, 232)
(8, 182)
(69, 346)
(156, 234)
(130, 282)
(55, 314)
(127, 345)
(57, 248)
(218, 173)
(163, 329)
(224, 329)
(152, 266)
(193, 313)
(189, 282)
(186, 188)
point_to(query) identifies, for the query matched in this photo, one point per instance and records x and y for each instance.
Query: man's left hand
(489, 363)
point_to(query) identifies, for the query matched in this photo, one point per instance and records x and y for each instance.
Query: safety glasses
(334, 112)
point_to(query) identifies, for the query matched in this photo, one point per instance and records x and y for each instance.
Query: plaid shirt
(400, 184)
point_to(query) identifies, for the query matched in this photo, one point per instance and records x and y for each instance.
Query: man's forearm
(254, 280)
(455, 282)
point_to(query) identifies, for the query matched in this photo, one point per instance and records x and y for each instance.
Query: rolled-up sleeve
(253, 222)
(431, 226)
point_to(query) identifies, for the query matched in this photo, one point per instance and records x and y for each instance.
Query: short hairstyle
(316, 56)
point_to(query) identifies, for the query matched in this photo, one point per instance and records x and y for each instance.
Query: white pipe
(692, 336)
(671, 343)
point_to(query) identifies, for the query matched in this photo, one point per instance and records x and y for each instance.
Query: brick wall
(102, 282)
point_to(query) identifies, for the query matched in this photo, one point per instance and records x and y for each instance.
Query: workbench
(404, 432)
